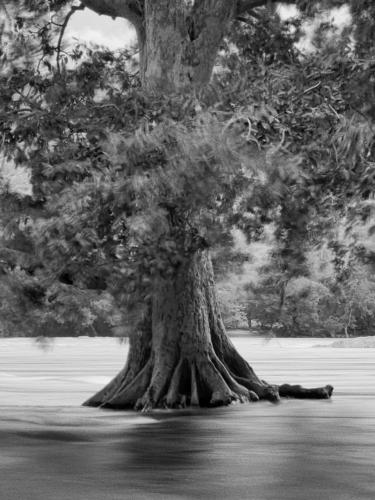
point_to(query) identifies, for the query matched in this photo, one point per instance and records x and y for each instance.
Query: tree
(179, 351)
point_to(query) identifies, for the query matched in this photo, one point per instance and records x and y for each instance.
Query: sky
(86, 25)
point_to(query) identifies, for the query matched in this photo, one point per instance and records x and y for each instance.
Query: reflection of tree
(163, 456)
(164, 444)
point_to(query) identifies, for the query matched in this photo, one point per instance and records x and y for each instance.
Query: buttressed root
(204, 382)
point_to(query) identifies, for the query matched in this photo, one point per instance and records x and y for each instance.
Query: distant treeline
(334, 296)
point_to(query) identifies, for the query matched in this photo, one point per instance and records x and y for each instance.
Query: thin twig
(109, 105)
(306, 91)
(63, 28)
(335, 112)
(312, 88)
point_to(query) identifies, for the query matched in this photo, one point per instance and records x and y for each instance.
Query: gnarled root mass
(205, 381)
(183, 357)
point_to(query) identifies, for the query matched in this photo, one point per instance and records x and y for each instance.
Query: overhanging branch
(132, 10)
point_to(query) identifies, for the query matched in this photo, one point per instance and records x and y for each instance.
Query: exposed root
(128, 395)
(194, 396)
(244, 394)
(144, 404)
(215, 385)
(109, 390)
(173, 398)
(299, 392)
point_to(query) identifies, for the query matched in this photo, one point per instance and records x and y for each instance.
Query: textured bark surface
(181, 42)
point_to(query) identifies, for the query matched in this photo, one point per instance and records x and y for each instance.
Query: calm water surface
(51, 448)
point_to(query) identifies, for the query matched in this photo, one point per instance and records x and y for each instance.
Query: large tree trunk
(184, 357)
(181, 355)
(179, 43)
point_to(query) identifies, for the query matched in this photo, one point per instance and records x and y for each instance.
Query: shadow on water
(259, 452)
(168, 445)
(241, 452)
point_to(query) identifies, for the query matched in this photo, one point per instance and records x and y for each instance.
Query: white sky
(86, 26)
(16, 179)
(340, 17)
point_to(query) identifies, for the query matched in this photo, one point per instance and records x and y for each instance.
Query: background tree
(326, 120)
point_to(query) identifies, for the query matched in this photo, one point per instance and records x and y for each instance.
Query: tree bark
(180, 43)
(181, 355)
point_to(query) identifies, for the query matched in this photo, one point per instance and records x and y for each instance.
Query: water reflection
(242, 452)
(302, 450)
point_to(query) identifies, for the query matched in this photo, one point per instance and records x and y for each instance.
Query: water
(51, 448)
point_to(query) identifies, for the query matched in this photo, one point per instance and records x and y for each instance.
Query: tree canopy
(278, 137)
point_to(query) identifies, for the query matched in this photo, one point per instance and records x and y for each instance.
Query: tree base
(203, 382)
(181, 355)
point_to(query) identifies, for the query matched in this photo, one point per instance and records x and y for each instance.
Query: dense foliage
(126, 184)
